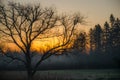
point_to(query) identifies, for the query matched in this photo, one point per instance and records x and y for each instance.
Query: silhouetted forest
(101, 39)
(104, 44)
(106, 39)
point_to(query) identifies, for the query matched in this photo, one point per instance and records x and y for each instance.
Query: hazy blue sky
(97, 11)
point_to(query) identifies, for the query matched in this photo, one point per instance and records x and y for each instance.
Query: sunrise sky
(96, 11)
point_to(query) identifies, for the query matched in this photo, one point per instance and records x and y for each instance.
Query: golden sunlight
(42, 45)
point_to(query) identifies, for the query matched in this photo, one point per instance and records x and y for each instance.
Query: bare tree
(23, 24)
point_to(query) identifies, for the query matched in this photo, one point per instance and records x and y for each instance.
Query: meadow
(84, 74)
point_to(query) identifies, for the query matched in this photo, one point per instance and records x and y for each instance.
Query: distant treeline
(101, 39)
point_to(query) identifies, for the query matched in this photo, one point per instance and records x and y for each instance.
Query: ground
(103, 74)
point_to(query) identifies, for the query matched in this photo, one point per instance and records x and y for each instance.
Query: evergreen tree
(97, 37)
(91, 39)
(115, 34)
(106, 37)
(112, 19)
(80, 42)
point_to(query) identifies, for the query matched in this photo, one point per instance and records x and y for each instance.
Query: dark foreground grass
(63, 75)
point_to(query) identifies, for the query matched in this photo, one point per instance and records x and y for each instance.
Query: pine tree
(115, 33)
(97, 37)
(112, 19)
(80, 42)
(91, 39)
(106, 37)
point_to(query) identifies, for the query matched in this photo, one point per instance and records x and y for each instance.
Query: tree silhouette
(80, 42)
(91, 39)
(106, 37)
(112, 19)
(23, 24)
(97, 32)
(115, 34)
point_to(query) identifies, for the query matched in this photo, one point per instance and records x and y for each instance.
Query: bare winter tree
(23, 24)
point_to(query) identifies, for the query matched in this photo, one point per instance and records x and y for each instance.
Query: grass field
(104, 74)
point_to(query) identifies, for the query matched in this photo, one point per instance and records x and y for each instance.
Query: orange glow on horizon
(39, 45)
(44, 44)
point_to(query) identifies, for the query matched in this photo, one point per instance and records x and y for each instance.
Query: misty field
(106, 74)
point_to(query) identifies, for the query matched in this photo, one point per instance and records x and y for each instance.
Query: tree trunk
(29, 73)
(28, 65)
